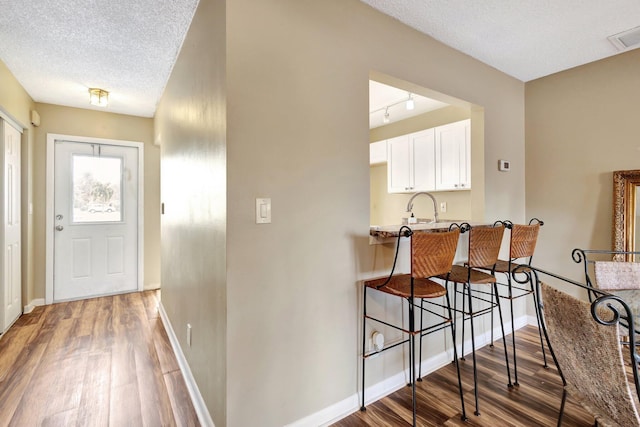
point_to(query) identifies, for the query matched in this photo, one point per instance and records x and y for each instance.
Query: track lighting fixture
(410, 105)
(408, 102)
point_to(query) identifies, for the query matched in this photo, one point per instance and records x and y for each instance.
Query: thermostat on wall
(504, 165)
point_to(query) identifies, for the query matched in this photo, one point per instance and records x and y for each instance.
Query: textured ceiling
(526, 39)
(57, 49)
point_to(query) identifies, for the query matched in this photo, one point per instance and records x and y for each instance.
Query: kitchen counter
(383, 232)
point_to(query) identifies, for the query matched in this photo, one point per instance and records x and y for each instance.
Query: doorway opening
(423, 140)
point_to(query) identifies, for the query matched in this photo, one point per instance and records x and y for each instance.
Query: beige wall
(388, 208)
(72, 121)
(190, 126)
(581, 125)
(297, 80)
(97, 124)
(17, 104)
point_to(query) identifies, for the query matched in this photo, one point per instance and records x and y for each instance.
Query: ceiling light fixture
(410, 104)
(98, 97)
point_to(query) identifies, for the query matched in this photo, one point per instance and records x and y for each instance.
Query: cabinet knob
(456, 185)
(461, 185)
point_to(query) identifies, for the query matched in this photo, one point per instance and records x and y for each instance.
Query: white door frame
(49, 233)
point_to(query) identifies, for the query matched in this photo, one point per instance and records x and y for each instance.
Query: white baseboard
(151, 286)
(33, 304)
(351, 404)
(198, 402)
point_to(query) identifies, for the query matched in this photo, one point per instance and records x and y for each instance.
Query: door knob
(59, 227)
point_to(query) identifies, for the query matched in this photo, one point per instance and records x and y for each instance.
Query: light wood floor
(97, 362)
(535, 403)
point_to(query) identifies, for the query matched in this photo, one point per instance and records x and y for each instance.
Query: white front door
(10, 265)
(95, 219)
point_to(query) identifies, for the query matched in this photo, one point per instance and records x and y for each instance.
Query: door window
(97, 189)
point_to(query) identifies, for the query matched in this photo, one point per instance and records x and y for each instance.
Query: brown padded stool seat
(503, 267)
(461, 274)
(401, 286)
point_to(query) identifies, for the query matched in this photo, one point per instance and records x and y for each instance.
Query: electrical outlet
(443, 206)
(189, 334)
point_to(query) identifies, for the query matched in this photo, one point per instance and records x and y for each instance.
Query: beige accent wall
(97, 124)
(190, 125)
(275, 307)
(389, 208)
(17, 104)
(581, 125)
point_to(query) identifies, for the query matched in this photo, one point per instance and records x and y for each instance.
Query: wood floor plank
(91, 363)
(180, 400)
(58, 380)
(17, 381)
(535, 402)
(96, 391)
(167, 359)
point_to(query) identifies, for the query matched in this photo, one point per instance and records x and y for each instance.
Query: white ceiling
(57, 49)
(526, 39)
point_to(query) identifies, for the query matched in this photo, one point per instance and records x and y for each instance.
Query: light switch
(263, 211)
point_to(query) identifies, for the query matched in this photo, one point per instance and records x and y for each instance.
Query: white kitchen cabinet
(453, 156)
(378, 153)
(410, 162)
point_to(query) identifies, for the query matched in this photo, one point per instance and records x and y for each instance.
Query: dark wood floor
(97, 362)
(534, 403)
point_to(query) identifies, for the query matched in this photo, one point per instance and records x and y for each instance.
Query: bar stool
(522, 244)
(432, 254)
(484, 246)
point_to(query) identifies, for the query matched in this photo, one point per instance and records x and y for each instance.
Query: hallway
(102, 362)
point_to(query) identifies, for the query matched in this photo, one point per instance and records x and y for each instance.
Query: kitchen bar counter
(384, 232)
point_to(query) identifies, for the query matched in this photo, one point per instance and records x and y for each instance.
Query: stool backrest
(523, 240)
(484, 245)
(432, 253)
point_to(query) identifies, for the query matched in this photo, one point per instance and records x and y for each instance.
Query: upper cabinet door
(410, 165)
(424, 170)
(452, 148)
(399, 165)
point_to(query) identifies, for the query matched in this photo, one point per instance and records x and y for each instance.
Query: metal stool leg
(364, 359)
(463, 320)
(504, 338)
(473, 349)
(498, 298)
(455, 356)
(535, 303)
(513, 332)
(419, 379)
(412, 358)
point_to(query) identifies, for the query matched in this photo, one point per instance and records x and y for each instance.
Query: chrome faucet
(433, 199)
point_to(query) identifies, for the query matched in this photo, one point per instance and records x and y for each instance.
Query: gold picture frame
(625, 185)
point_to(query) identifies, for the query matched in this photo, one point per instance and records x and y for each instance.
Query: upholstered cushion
(590, 357)
(617, 275)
